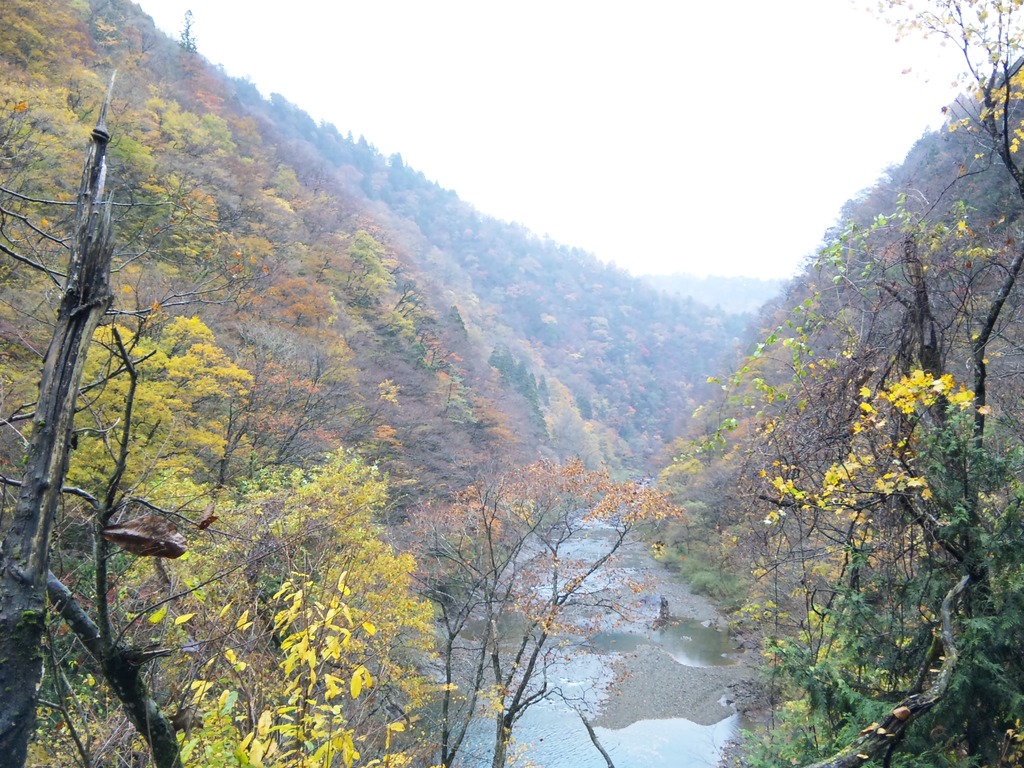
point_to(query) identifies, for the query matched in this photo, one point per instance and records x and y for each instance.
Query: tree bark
(503, 733)
(24, 558)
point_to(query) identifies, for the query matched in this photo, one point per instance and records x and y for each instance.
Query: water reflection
(551, 736)
(676, 742)
(688, 642)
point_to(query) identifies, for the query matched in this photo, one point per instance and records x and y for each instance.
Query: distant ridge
(734, 295)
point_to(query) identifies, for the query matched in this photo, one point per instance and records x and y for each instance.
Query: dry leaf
(149, 536)
(208, 517)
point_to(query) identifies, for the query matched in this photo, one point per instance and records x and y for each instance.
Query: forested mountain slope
(366, 302)
(271, 446)
(311, 354)
(619, 360)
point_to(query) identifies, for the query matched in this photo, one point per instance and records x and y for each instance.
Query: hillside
(312, 476)
(284, 422)
(620, 360)
(325, 269)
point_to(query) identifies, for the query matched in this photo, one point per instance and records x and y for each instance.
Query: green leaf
(158, 615)
(227, 701)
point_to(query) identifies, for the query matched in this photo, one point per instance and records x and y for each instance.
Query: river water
(551, 735)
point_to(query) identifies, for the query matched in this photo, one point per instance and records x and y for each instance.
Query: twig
(593, 737)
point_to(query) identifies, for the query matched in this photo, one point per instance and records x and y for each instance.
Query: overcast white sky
(669, 136)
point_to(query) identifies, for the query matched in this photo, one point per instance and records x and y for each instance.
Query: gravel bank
(651, 684)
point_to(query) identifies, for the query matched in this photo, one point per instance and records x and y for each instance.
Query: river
(656, 697)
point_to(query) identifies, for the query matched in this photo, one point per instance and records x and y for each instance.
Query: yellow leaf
(357, 684)
(183, 618)
(360, 679)
(266, 720)
(396, 727)
(200, 688)
(370, 629)
(334, 686)
(158, 615)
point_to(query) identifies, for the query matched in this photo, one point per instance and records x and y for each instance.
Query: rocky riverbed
(654, 696)
(649, 683)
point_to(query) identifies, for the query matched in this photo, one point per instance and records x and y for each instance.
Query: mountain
(374, 310)
(312, 405)
(315, 361)
(735, 295)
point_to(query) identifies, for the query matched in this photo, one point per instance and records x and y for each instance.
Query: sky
(664, 136)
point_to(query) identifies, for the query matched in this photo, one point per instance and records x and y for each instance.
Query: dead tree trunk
(24, 557)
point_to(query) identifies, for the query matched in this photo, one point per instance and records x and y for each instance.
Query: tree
(85, 297)
(187, 40)
(183, 391)
(880, 482)
(113, 393)
(513, 591)
(886, 475)
(311, 653)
